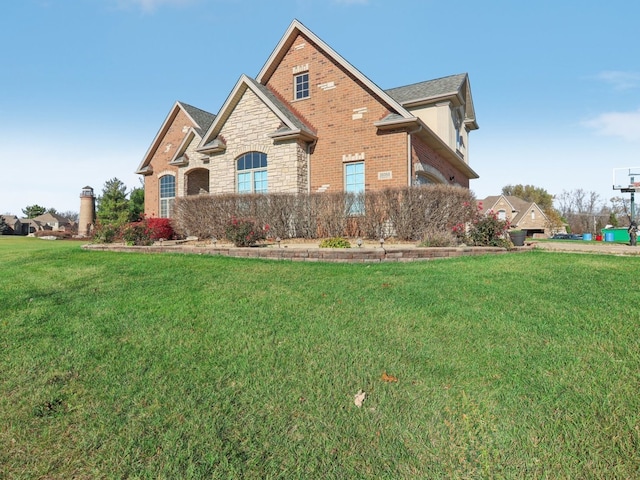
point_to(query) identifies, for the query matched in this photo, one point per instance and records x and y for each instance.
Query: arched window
(167, 195)
(252, 173)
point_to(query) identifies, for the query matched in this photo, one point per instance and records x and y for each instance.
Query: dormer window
(301, 86)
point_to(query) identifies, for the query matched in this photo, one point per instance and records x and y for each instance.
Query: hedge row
(409, 213)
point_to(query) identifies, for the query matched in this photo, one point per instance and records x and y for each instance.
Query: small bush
(335, 242)
(244, 232)
(160, 228)
(489, 231)
(137, 233)
(437, 238)
(105, 233)
(60, 235)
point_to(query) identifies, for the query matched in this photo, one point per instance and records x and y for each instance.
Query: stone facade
(247, 130)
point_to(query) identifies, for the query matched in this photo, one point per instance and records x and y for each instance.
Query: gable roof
(200, 119)
(297, 28)
(292, 125)
(48, 217)
(427, 90)
(452, 87)
(518, 206)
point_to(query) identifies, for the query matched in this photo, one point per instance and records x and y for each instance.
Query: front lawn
(126, 365)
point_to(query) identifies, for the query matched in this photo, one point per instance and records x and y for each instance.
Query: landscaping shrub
(405, 213)
(137, 233)
(245, 232)
(105, 233)
(160, 228)
(60, 235)
(489, 230)
(439, 238)
(335, 242)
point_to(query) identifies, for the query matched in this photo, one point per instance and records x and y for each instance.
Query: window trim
(261, 168)
(165, 203)
(357, 207)
(299, 94)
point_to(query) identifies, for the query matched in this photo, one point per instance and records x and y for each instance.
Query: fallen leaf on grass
(358, 399)
(388, 378)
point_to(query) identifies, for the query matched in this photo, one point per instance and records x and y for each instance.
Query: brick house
(522, 215)
(311, 122)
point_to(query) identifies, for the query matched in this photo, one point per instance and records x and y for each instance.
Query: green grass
(126, 365)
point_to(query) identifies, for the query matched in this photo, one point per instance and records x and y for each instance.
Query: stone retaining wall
(301, 254)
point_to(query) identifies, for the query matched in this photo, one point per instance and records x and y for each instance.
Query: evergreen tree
(33, 211)
(112, 206)
(136, 204)
(4, 228)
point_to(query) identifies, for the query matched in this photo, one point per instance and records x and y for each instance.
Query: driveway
(611, 248)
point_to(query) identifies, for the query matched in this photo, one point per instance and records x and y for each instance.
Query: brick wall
(425, 159)
(160, 161)
(342, 112)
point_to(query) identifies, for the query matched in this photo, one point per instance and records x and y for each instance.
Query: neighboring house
(522, 215)
(53, 221)
(15, 227)
(46, 221)
(311, 122)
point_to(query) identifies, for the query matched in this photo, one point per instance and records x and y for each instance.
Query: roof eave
(293, 135)
(216, 146)
(397, 124)
(147, 170)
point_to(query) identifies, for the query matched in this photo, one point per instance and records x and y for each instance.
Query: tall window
(301, 84)
(252, 173)
(354, 184)
(167, 195)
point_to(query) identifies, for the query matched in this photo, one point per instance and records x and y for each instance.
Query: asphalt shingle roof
(202, 118)
(428, 89)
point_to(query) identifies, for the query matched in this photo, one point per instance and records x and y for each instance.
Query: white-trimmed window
(354, 184)
(502, 215)
(167, 195)
(301, 86)
(252, 173)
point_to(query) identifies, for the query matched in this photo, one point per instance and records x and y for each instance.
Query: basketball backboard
(626, 179)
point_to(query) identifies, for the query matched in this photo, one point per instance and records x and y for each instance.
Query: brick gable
(342, 111)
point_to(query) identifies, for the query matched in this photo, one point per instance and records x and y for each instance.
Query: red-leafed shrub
(244, 232)
(160, 228)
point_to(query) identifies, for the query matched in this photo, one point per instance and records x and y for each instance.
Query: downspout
(409, 133)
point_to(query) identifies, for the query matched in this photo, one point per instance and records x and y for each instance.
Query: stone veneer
(247, 129)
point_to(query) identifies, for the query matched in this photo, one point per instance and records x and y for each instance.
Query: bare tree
(583, 211)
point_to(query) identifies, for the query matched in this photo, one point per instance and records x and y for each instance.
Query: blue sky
(86, 84)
